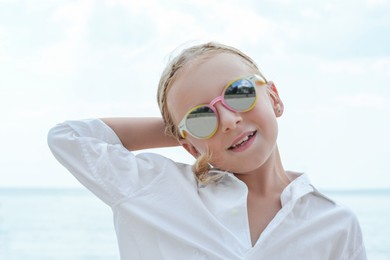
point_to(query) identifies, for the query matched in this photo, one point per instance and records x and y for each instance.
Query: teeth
(242, 140)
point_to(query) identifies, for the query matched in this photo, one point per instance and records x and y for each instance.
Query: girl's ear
(277, 103)
(190, 148)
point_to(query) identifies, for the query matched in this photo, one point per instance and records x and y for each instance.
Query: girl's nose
(228, 119)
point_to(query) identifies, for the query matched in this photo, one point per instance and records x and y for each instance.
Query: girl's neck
(270, 179)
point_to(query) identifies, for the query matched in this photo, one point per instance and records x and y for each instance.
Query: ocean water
(73, 224)
(55, 224)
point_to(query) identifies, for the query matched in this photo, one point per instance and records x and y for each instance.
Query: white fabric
(160, 212)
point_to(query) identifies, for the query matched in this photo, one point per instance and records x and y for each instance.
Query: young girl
(237, 201)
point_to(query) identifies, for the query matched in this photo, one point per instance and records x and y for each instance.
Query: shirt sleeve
(93, 153)
(357, 249)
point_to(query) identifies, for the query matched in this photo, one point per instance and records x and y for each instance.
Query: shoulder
(144, 171)
(330, 224)
(161, 165)
(323, 207)
(309, 202)
(317, 210)
(330, 205)
(321, 225)
(338, 221)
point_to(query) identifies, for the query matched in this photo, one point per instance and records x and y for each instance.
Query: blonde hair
(202, 166)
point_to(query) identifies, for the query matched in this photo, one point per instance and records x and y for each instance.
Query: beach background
(73, 59)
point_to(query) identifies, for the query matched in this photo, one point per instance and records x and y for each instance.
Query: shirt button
(235, 212)
(198, 255)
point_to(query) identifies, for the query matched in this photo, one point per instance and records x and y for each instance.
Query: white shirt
(160, 211)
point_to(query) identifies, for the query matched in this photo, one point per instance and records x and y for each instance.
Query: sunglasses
(238, 96)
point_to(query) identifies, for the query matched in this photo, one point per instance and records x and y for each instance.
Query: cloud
(377, 3)
(65, 56)
(364, 101)
(231, 23)
(357, 67)
(47, 41)
(331, 29)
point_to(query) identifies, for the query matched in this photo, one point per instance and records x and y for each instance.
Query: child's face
(202, 81)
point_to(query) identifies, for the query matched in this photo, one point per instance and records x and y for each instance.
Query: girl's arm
(141, 133)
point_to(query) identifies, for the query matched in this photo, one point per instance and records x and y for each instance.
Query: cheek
(262, 112)
(200, 145)
(264, 116)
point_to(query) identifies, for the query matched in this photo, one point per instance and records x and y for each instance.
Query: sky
(330, 60)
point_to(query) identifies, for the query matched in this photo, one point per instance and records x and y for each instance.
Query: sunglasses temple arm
(181, 128)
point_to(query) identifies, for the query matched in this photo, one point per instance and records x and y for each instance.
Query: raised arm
(139, 133)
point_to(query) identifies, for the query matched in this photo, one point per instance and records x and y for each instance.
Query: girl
(237, 201)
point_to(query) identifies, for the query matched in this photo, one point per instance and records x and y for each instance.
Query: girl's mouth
(243, 141)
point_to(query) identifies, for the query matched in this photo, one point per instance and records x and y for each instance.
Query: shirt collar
(297, 188)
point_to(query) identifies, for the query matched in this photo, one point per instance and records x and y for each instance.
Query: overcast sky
(80, 59)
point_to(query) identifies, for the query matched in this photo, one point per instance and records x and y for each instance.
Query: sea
(74, 224)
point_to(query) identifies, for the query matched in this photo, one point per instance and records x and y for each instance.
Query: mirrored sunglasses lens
(201, 122)
(240, 95)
